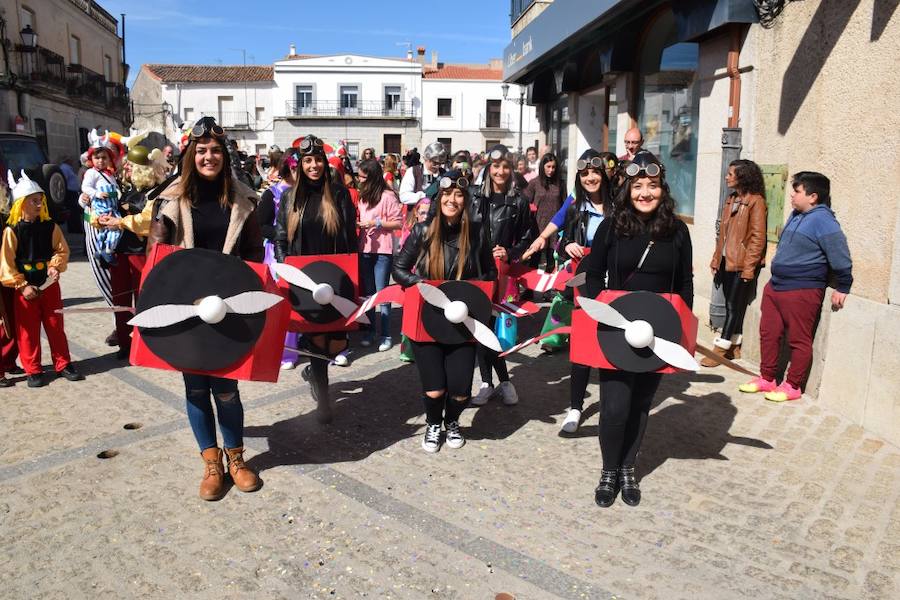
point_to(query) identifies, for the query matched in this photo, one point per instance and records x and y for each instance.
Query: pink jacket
(374, 240)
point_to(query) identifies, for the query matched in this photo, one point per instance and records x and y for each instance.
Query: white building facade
(367, 101)
(467, 108)
(239, 97)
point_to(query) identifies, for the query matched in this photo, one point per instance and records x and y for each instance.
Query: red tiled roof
(210, 73)
(463, 72)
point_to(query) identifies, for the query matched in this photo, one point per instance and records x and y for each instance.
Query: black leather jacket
(509, 223)
(413, 255)
(289, 227)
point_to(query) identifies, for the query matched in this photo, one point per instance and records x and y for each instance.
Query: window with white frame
(349, 99)
(260, 114)
(26, 16)
(304, 100)
(444, 107)
(392, 99)
(74, 50)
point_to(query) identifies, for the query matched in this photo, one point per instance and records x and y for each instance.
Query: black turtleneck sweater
(209, 217)
(311, 237)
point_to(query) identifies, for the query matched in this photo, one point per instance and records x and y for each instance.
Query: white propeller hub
(212, 309)
(323, 293)
(456, 312)
(639, 334)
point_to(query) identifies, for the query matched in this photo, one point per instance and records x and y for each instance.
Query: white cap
(24, 187)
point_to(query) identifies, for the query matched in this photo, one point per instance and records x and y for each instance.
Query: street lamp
(29, 38)
(521, 102)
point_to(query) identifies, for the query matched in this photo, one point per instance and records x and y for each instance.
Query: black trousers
(445, 367)
(578, 382)
(490, 361)
(623, 415)
(738, 294)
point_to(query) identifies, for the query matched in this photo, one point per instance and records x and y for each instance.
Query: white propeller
(457, 312)
(211, 309)
(639, 334)
(322, 293)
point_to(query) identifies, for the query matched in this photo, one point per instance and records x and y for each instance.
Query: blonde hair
(15, 214)
(435, 241)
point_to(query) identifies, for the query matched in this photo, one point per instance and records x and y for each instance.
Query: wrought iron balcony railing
(41, 65)
(494, 121)
(360, 109)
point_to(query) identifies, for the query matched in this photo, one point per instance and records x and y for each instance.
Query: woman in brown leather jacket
(740, 252)
(205, 207)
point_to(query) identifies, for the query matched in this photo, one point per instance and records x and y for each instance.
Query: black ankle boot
(316, 373)
(606, 491)
(631, 493)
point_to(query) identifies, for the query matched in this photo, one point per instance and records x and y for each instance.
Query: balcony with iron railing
(229, 119)
(85, 83)
(40, 65)
(494, 121)
(360, 110)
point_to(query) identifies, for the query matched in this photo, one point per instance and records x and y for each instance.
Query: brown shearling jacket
(743, 234)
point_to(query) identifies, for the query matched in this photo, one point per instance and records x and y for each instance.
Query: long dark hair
(329, 214)
(371, 190)
(661, 224)
(581, 195)
(190, 178)
(749, 177)
(434, 239)
(548, 181)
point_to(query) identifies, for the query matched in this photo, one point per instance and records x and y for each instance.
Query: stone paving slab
(742, 498)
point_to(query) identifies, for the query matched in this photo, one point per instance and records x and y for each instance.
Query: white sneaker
(508, 393)
(342, 359)
(484, 394)
(385, 345)
(454, 438)
(573, 420)
(287, 365)
(432, 441)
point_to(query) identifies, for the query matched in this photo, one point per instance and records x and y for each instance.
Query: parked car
(21, 151)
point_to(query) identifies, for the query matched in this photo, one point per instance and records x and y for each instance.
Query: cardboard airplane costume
(208, 313)
(323, 291)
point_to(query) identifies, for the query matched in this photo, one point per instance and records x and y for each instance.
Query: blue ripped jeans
(375, 274)
(228, 408)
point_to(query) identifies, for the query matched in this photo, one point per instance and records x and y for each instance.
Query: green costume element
(559, 315)
(406, 351)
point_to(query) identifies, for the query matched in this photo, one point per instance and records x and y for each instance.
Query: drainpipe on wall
(731, 150)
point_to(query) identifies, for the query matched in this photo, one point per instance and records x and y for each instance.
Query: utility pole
(521, 108)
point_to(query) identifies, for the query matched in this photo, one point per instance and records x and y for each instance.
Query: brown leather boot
(213, 485)
(734, 352)
(243, 476)
(709, 362)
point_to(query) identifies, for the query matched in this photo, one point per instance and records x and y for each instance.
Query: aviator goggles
(311, 144)
(205, 127)
(497, 154)
(460, 182)
(595, 162)
(650, 169)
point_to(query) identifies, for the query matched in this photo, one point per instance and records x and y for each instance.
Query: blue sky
(214, 32)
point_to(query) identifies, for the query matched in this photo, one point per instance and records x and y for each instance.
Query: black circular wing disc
(582, 267)
(645, 306)
(185, 277)
(445, 332)
(302, 300)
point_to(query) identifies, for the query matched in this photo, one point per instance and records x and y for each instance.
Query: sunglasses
(310, 144)
(460, 182)
(596, 162)
(651, 169)
(207, 127)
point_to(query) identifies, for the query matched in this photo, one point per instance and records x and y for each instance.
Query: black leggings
(490, 361)
(578, 382)
(737, 294)
(623, 414)
(445, 367)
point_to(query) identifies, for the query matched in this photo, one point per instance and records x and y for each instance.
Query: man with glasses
(420, 177)
(634, 141)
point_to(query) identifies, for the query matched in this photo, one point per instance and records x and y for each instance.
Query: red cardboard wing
(421, 321)
(585, 343)
(257, 360)
(341, 272)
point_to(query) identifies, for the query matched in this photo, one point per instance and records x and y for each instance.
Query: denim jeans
(228, 408)
(375, 274)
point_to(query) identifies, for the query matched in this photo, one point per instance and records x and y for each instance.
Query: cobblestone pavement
(742, 498)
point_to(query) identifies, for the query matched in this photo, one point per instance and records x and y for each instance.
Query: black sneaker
(454, 438)
(432, 441)
(36, 381)
(4, 382)
(15, 370)
(70, 373)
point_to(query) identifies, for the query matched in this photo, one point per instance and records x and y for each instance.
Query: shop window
(669, 107)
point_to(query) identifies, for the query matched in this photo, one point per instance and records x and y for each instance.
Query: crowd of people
(434, 216)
